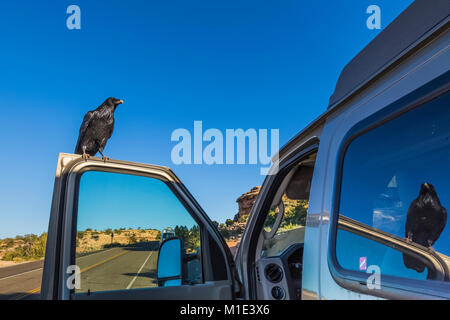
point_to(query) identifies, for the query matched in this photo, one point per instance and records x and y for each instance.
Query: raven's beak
(120, 101)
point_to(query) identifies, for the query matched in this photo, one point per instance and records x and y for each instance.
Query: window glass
(293, 206)
(396, 187)
(122, 221)
(291, 229)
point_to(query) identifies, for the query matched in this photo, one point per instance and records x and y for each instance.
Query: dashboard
(280, 277)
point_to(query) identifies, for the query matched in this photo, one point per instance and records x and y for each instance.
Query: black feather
(97, 128)
(425, 221)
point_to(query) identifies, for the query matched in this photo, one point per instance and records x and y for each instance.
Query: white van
(372, 170)
(167, 234)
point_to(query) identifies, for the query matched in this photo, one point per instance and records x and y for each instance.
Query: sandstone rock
(245, 202)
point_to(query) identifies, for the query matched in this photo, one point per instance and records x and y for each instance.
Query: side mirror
(170, 263)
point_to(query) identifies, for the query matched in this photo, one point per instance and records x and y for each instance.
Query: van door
(270, 255)
(105, 229)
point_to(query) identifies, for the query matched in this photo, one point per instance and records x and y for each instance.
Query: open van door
(104, 236)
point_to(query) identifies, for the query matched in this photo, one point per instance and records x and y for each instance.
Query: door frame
(62, 225)
(247, 249)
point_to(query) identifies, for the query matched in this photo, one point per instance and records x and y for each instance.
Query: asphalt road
(21, 281)
(111, 269)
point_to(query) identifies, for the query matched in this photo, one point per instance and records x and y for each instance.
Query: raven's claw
(409, 237)
(430, 246)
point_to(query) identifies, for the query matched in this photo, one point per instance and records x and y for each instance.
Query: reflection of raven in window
(425, 222)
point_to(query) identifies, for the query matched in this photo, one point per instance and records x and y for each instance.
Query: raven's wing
(440, 226)
(86, 120)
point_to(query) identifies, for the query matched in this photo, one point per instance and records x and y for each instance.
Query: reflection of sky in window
(112, 200)
(383, 171)
(389, 260)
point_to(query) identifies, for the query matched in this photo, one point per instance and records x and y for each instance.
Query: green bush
(33, 249)
(132, 239)
(191, 237)
(244, 218)
(9, 242)
(225, 233)
(294, 216)
(80, 234)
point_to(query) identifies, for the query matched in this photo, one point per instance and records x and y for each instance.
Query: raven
(425, 221)
(96, 129)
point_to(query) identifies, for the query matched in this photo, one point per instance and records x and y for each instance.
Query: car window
(394, 197)
(291, 229)
(294, 206)
(122, 220)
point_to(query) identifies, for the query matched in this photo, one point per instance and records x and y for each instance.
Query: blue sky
(128, 201)
(231, 64)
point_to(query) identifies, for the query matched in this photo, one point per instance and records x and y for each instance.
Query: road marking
(139, 271)
(26, 294)
(102, 262)
(38, 289)
(19, 274)
(92, 254)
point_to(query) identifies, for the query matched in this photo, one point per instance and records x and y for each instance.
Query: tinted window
(395, 193)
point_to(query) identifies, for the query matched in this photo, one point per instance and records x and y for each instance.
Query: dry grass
(97, 240)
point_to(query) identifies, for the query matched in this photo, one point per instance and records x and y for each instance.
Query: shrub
(132, 239)
(243, 218)
(9, 242)
(33, 249)
(225, 233)
(191, 237)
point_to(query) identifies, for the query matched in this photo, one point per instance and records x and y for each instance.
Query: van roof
(410, 31)
(397, 39)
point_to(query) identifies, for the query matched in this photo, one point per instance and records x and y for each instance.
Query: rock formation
(245, 202)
